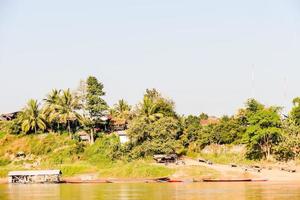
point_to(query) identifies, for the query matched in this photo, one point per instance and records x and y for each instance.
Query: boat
(174, 181)
(226, 180)
(85, 181)
(167, 180)
(234, 180)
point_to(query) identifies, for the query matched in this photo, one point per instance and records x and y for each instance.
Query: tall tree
(95, 104)
(50, 107)
(263, 132)
(295, 112)
(122, 109)
(67, 108)
(154, 106)
(31, 117)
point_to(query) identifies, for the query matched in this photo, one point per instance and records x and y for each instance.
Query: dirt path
(226, 171)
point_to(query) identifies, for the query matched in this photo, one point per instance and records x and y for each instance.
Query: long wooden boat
(234, 180)
(226, 180)
(85, 181)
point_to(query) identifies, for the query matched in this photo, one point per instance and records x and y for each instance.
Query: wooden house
(165, 158)
(35, 176)
(9, 116)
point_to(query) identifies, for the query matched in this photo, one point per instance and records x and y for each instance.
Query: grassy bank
(58, 151)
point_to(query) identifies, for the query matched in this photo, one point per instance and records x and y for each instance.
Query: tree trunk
(69, 129)
(35, 129)
(92, 136)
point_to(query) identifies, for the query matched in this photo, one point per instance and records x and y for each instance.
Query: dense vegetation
(41, 130)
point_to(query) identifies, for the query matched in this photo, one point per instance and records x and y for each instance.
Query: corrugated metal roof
(34, 173)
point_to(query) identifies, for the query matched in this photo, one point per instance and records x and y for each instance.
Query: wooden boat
(226, 180)
(167, 180)
(174, 181)
(86, 181)
(234, 180)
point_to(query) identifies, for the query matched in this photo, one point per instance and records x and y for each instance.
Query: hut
(165, 158)
(34, 176)
(9, 116)
(123, 137)
(84, 136)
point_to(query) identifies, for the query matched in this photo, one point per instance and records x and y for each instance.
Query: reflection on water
(178, 191)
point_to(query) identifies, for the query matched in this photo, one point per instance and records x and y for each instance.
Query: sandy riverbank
(228, 172)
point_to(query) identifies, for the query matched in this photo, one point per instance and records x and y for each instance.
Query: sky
(208, 56)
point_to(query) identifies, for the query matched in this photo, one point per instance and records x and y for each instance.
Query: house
(84, 136)
(9, 116)
(165, 158)
(123, 137)
(209, 121)
(118, 124)
(35, 176)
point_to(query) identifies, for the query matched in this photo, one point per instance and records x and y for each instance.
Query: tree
(154, 106)
(191, 131)
(81, 94)
(263, 132)
(95, 104)
(159, 137)
(50, 108)
(295, 112)
(67, 106)
(122, 109)
(226, 131)
(203, 116)
(31, 118)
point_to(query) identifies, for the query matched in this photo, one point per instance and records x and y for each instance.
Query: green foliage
(154, 106)
(2, 134)
(159, 137)
(288, 147)
(31, 118)
(121, 110)
(105, 149)
(4, 161)
(192, 131)
(95, 104)
(226, 131)
(263, 133)
(295, 112)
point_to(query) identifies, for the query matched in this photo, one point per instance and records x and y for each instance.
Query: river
(153, 191)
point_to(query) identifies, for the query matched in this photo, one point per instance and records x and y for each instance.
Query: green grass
(197, 172)
(227, 158)
(4, 170)
(135, 169)
(69, 170)
(2, 134)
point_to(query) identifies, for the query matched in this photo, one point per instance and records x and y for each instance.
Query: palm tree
(150, 109)
(50, 108)
(122, 109)
(67, 106)
(31, 117)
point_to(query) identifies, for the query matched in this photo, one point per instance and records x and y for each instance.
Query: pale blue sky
(199, 53)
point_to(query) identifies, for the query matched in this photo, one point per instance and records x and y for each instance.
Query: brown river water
(153, 191)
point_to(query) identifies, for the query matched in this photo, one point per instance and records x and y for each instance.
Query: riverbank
(187, 171)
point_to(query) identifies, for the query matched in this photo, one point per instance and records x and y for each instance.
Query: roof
(34, 173)
(121, 133)
(209, 121)
(9, 116)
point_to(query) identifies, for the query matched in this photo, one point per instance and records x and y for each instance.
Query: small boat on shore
(85, 181)
(167, 180)
(226, 180)
(234, 180)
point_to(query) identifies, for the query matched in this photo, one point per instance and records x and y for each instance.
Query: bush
(4, 161)
(106, 148)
